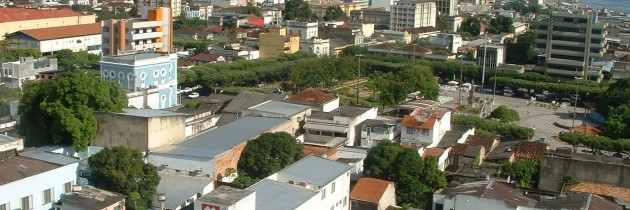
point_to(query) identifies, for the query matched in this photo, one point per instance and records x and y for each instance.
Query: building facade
(197, 12)
(174, 5)
(571, 43)
(412, 14)
(16, 19)
(277, 42)
(317, 46)
(446, 7)
(304, 29)
(84, 37)
(150, 78)
(380, 17)
(495, 55)
(14, 74)
(153, 32)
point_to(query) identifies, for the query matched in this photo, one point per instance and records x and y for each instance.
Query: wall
(555, 168)
(34, 185)
(389, 197)
(354, 127)
(166, 130)
(117, 129)
(11, 27)
(246, 203)
(332, 105)
(120, 205)
(18, 144)
(342, 192)
(228, 160)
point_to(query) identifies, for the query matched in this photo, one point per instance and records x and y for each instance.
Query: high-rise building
(446, 7)
(571, 43)
(412, 14)
(153, 32)
(276, 42)
(175, 5)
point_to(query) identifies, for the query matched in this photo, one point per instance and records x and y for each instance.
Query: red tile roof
(530, 150)
(220, 29)
(64, 31)
(18, 14)
(182, 62)
(435, 152)
(416, 122)
(204, 57)
(486, 142)
(619, 193)
(458, 149)
(369, 190)
(311, 96)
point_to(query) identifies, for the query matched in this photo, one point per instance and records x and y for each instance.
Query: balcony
(569, 34)
(563, 72)
(149, 35)
(565, 62)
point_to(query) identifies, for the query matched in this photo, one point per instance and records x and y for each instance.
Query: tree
(61, 111)
(334, 13)
(182, 21)
(268, 154)
(68, 60)
(253, 9)
(441, 23)
(105, 14)
(618, 94)
(472, 25)
(501, 24)
(523, 51)
(295, 9)
(230, 25)
(391, 92)
(81, 8)
(415, 178)
(354, 50)
(617, 124)
(420, 78)
(522, 7)
(524, 170)
(505, 114)
(122, 170)
(6, 96)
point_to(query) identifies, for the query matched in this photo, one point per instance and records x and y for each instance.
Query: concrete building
(425, 127)
(320, 8)
(412, 14)
(174, 5)
(88, 197)
(446, 7)
(373, 194)
(149, 78)
(380, 17)
(317, 46)
(482, 195)
(317, 99)
(311, 183)
(85, 37)
(9, 143)
(449, 41)
(342, 122)
(571, 43)
(454, 24)
(201, 12)
(227, 198)
(381, 4)
(153, 32)
(277, 41)
(142, 129)
(495, 57)
(305, 29)
(31, 183)
(293, 112)
(16, 19)
(181, 189)
(375, 131)
(16, 73)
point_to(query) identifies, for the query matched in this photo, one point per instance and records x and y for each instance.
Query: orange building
(153, 32)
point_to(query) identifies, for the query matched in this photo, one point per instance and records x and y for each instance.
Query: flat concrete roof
(138, 56)
(225, 195)
(149, 113)
(286, 109)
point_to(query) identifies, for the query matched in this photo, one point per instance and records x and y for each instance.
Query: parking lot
(535, 115)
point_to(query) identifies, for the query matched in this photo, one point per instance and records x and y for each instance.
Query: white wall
(181, 163)
(332, 199)
(354, 130)
(332, 105)
(34, 185)
(71, 43)
(247, 203)
(136, 99)
(18, 145)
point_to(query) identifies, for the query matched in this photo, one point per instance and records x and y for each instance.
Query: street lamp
(461, 74)
(576, 98)
(483, 71)
(358, 75)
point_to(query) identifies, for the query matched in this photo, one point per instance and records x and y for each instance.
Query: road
(539, 117)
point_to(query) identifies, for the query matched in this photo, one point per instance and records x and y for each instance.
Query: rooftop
(225, 195)
(466, 150)
(504, 150)
(133, 57)
(381, 121)
(435, 152)
(323, 141)
(15, 167)
(204, 57)
(148, 113)
(579, 201)
(486, 142)
(7, 139)
(343, 111)
(285, 109)
(284, 196)
(369, 190)
(311, 96)
(510, 195)
(247, 99)
(530, 150)
(228, 136)
(91, 198)
(618, 193)
(8, 14)
(178, 188)
(315, 170)
(450, 137)
(46, 154)
(64, 31)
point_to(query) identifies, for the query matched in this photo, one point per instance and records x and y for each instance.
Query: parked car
(193, 95)
(187, 89)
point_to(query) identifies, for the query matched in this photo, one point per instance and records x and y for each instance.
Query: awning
(331, 128)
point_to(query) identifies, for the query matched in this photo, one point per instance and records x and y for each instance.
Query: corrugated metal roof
(273, 195)
(149, 113)
(20, 14)
(178, 188)
(43, 154)
(315, 170)
(190, 152)
(319, 127)
(286, 109)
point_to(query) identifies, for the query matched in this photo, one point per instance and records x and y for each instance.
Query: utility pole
(494, 89)
(483, 71)
(576, 98)
(358, 76)
(461, 74)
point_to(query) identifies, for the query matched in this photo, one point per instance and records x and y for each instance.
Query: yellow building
(16, 19)
(276, 42)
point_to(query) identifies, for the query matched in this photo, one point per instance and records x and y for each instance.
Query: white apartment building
(153, 32)
(317, 46)
(15, 73)
(495, 55)
(312, 183)
(425, 127)
(306, 30)
(446, 7)
(197, 12)
(571, 43)
(412, 14)
(451, 41)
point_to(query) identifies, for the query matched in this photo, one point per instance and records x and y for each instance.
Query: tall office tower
(446, 7)
(571, 42)
(153, 32)
(412, 14)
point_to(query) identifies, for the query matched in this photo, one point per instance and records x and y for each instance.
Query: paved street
(539, 117)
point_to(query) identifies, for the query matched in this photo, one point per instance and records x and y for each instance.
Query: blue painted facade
(137, 74)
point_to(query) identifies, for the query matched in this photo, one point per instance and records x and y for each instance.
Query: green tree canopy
(441, 23)
(472, 25)
(334, 13)
(505, 114)
(294, 9)
(522, 7)
(251, 8)
(268, 154)
(501, 24)
(68, 60)
(122, 170)
(105, 14)
(595, 143)
(415, 178)
(523, 51)
(617, 124)
(61, 111)
(6, 96)
(182, 21)
(618, 94)
(509, 131)
(354, 50)
(523, 170)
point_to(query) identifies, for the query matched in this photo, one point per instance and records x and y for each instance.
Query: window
(332, 190)
(105, 73)
(5, 206)
(411, 130)
(323, 193)
(163, 76)
(332, 207)
(112, 74)
(425, 132)
(47, 196)
(67, 187)
(345, 201)
(26, 202)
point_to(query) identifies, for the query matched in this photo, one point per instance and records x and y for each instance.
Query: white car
(194, 95)
(186, 90)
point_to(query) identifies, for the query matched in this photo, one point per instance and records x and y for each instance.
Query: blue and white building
(149, 78)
